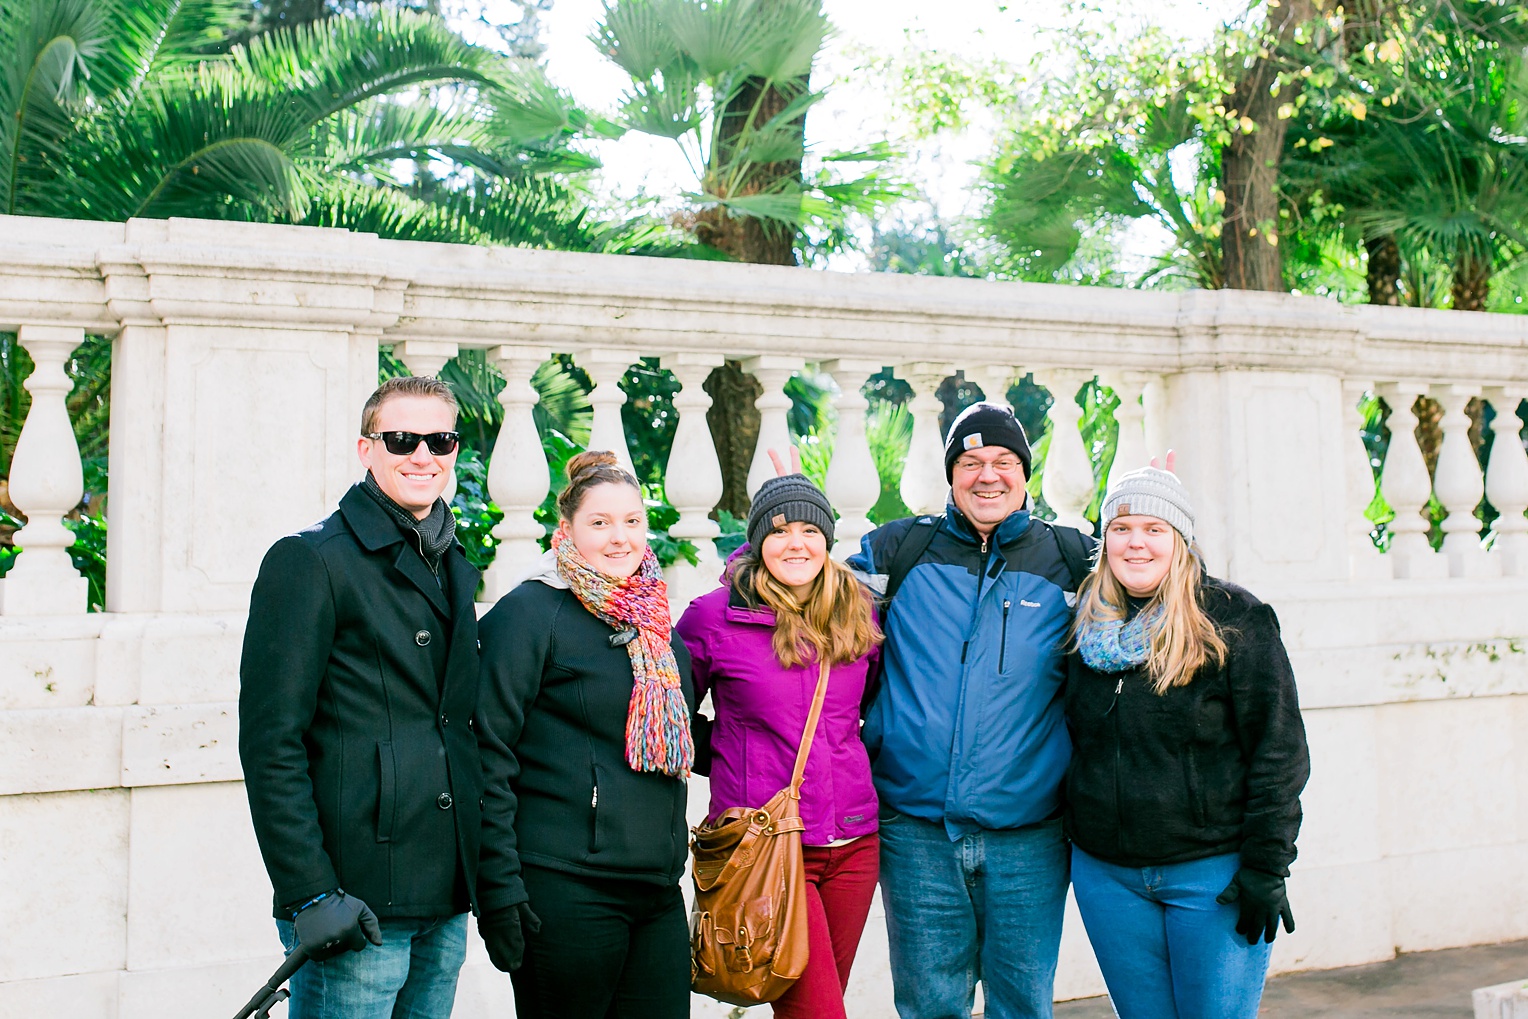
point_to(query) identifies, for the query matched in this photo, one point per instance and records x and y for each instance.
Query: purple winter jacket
(761, 709)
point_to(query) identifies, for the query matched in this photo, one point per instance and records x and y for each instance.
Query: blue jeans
(411, 976)
(1167, 949)
(986, 906)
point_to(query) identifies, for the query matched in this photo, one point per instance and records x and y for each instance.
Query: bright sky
(857, 109)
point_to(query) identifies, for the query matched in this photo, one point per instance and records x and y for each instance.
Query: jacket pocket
(1002, 645)
(387, 797)
(594, 809)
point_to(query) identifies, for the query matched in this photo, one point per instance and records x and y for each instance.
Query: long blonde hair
(1183, 640)
(832, 623)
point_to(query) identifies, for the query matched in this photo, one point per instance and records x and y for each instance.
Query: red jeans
(840, 882)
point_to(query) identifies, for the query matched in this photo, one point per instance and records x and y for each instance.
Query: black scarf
(436, 532)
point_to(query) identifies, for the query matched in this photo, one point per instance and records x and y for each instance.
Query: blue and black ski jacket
(968, 727)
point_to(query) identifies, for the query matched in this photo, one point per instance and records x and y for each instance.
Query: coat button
(422, 638)
(444, 720)
(443, 801)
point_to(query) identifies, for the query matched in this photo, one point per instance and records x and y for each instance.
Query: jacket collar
(376, 530)
(1012, 528)
(739, 611)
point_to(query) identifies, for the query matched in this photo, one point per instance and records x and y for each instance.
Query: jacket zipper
(1002, 646)
(1119, 813)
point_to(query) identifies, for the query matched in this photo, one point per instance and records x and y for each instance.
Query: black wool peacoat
(357, 686)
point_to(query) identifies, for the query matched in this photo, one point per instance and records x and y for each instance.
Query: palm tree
(111, 109)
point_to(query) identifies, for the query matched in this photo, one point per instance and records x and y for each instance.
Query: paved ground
(1419, 985)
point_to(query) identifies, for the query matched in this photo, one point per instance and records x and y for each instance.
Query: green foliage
(111, 109)
(694, 62)
(1124, 129)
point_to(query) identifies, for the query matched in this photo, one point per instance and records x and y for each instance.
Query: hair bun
(589, 460)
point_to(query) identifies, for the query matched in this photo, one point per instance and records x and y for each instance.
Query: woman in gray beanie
(1189, 755)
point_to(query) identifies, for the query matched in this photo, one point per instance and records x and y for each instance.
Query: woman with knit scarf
(583, 725)
(785, 606)
(1183, 795)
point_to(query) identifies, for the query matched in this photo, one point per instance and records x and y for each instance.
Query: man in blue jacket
(967, 736)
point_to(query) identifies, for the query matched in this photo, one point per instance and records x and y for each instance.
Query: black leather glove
(1262, 901)
(335, 924)
(503, 931)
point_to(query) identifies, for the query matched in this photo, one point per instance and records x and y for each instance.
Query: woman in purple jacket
(755, 643)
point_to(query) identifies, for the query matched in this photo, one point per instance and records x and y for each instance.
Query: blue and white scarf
(1117, 645)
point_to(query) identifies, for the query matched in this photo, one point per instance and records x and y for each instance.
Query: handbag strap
(811, 729)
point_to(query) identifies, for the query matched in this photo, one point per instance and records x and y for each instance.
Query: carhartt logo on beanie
(985, 424)
(786, 500)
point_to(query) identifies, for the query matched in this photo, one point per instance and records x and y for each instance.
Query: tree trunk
(733, 418)
(1249, 165)
(1384, 270)
(1472, 283)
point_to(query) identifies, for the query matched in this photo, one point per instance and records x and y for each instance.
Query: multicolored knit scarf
(658, 720)
(1115, 645)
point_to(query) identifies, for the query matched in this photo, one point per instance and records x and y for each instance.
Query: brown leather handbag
(748, 933)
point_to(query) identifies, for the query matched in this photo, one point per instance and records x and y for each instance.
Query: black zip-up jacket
(1215, 766)
(551, 727)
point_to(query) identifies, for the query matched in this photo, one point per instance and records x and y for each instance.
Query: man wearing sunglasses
(358, 682)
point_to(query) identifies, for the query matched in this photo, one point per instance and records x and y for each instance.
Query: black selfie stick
(272, 993)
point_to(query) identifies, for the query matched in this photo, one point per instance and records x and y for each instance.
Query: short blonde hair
(405, 385)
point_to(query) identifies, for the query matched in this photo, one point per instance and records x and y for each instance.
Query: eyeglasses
(404, 443)
(1003, 465)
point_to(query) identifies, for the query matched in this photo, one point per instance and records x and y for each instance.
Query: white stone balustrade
(693, 479)
(1507, 481)
(1459, 485)
(46, 482)
(1407, 487)
(773, 371)
(119, 778)
(1067, 482)
(852, 484)
(923, 486)
(518, 477)
(606, 367)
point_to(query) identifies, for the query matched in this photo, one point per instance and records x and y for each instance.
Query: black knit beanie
(985, 424)
(787, 500)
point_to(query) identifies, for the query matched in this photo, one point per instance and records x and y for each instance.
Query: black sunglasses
(404, 443)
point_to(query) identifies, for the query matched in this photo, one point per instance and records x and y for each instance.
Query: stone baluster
(1067, 483)
(1364, 559)
(772, 371)
(1407, 487)
(518, 478)
(923, 485)
(693, 478)
(428, 357)
(1460, 485)
(994, 380)
(606, 367)
(853, 485)
(46, 483)
(1154, 407)
(1507, 482)
(1130, 448)
(425, 357)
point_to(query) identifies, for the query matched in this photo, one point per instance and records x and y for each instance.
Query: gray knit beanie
(786, 500)
(1150, 492)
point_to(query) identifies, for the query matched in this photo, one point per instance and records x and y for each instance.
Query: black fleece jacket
(551, 727)
(1214, 766)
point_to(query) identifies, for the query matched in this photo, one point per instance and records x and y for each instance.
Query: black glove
(1263, 903)
(335, 924)
(503, 931)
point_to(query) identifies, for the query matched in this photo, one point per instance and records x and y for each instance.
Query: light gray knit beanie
(1151, 492)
